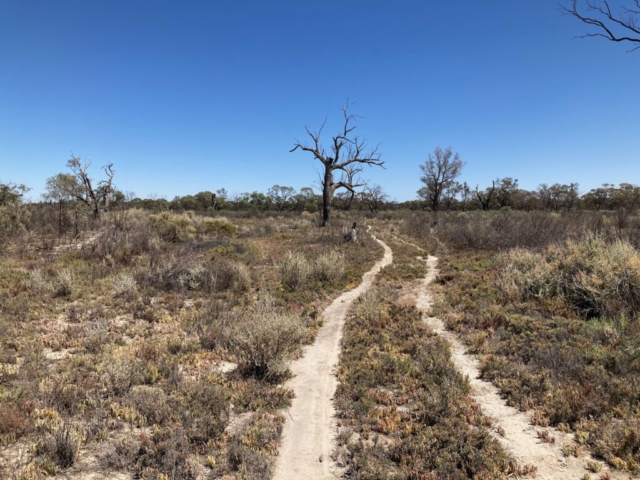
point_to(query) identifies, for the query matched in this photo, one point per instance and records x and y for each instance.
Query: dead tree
(374, 198)
(85, 192)
(348, 155)
(485, 198)
(620, 27)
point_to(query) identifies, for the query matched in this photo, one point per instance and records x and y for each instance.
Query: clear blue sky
(185, 96)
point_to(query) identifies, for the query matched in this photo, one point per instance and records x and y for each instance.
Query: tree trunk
(327, 195)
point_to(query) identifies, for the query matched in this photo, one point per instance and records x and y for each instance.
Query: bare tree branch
(349, 155)
(614, 27)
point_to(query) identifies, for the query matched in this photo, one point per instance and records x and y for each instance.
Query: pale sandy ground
(310, 428)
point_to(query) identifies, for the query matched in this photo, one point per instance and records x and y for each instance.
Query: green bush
(219, 225)
(172, 227)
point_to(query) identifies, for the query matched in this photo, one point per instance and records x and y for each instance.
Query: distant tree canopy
(439, 173)
(13, 213)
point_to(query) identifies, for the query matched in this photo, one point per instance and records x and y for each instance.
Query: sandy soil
(520, 437)
(310, 429)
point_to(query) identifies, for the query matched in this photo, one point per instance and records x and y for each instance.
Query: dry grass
(110, 349)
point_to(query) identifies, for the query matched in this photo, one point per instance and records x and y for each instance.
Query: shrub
(594, 277)
(173, 227)
(151, 403)
(369, 304)
(13, 423)
(125, 284)
(38, 282)
(329, 267)
(524, 273)
(265, 339)
(205, 411)
(62, 446)
(219, 225)
(196, 277)
(294, 271)
(64, 283)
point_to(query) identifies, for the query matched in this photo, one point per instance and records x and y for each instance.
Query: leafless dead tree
(622, 26)
(348, 155)
(485, 197)
(91, 196)
(374, 198)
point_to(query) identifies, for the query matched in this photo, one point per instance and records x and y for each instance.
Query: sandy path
(520, 437)
(308, 435)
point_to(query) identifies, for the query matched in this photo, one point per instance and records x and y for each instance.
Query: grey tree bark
(348, 155)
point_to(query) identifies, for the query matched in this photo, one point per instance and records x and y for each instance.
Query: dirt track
(520, 437)
(310, 428)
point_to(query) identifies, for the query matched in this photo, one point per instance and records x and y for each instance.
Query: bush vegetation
(553, 315)
(403, 408)
(156, 344)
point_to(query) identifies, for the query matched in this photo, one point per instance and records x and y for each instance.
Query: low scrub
(594, 277)
(172, 227)
(262, 337)
(532, 318)
(219, 225)
(265, 339)
(294, 271)
(329, 267)
(404, 410)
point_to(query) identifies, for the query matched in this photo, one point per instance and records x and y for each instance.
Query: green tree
(439, 173)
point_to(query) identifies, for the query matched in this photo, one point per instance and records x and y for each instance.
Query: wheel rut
(308, 437)
(518, 436)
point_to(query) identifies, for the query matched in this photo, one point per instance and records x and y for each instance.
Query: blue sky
(185, 96)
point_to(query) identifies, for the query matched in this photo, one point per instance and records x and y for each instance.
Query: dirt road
(310, 428)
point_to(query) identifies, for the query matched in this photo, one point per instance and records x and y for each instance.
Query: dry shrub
(151, 403)
(500, 230)
(595, 277)
(122, 372)
(369, 304)
(231, 276)
(38, 282)
(13, 422)
(204, 411)
(125, 284)
(524, 273)
(62, 445)
(244, 454)
(166, 452)
(294, 271)
(220, 225)
(265, 339)
(174, 275)
(618, 442)
(173, 227)
(600, 278)
(64, 283)
(329, 267)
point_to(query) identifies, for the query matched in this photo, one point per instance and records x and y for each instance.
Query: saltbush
(173, 227)
(294, 271)
(594, 277)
